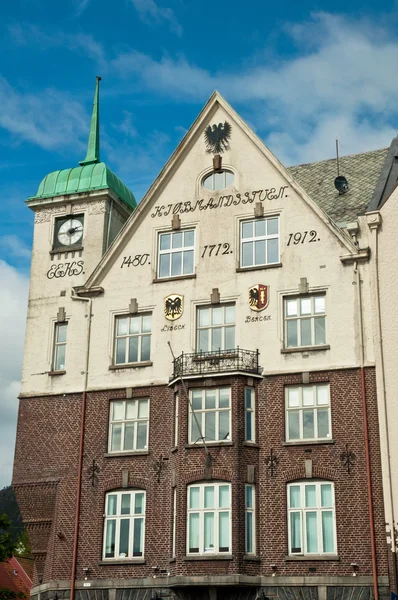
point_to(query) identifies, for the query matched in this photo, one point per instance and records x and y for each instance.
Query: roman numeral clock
(68, 232)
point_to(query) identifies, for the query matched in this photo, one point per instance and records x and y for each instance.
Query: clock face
(70, 232)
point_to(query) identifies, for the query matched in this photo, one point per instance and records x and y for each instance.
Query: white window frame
(201, 511)
(250, 519)
(58, 344)
(302, 406)
(250, 414)
(201, 414)
(133, 517)
(133, 422)
(171, 251)
(302, 510)
(259, 238)
(212, 177)
(138, 335)
(211, 327)
(299, 318)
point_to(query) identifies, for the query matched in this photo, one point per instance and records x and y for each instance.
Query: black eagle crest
(172, 307)
(253, 296)
(217, 137)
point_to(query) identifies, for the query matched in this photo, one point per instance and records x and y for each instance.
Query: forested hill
(9, 506)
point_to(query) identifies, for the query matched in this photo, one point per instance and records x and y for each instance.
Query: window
(305, 321)
(124, 524)
(59, 346)
(133, 339)
(209, 519)
(128, 425)
(307, 412)
(173, 550)
(250, 519)
(176, 407)
(176, 253)
(210, 415)
(249, 415)
(311, 514)
(216, 328)
(259, 240)
(218, 180)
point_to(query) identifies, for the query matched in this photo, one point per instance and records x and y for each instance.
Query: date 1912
(300, 237)
(209, 250)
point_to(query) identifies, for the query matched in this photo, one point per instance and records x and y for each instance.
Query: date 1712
(301, 237)
(209, 250)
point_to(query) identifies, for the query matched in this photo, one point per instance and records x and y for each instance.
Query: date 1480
(300, 237)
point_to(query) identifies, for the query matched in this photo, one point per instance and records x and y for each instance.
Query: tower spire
(93, 149)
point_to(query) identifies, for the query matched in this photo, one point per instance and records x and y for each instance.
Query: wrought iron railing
(219, 361)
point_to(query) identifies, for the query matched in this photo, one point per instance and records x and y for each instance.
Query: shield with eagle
(258, 296)
(173, 307)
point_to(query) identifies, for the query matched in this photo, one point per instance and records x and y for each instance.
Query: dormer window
(218, 180)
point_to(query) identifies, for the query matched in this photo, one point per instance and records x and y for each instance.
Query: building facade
(199, 415)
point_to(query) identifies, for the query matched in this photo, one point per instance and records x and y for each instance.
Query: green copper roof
(84, 179)
(91, 175)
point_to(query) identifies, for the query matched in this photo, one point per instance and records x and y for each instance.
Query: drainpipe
(366, 435)
(374, 222)
(81, 446)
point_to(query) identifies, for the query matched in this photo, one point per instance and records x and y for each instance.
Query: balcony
(201, 364)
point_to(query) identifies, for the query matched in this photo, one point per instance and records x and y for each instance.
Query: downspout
(366, 435)
(374, 221)
(81, 447)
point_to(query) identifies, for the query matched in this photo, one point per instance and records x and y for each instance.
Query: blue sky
(300, 73)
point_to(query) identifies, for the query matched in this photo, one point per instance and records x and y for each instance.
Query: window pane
(118, 409)
(176, 264)
(122, 326)
(216, 339)
(310, 496)
(121, 350)
(176, 240)
(305, 332)
(291, 308)
(116, 438)
(146, 323)
(308, 396)
(208, 182)
(291, 327)
(223, 498)
(295, 532)
(294, 425)
(139, 504)
(249, 496)
(194, 497)
(217, 316)
(218, 181)
(224, 531)
(141, 435)
(125, 506)
(195, 433)
(249, 532)
(248, 397)
(137, 537)
(164, 265)
(229, 178)
(133, 348)
(319, 304)
(145, 347)
(294, 496)
(311, 527)
(327, 531)
(230, 314)
(61, 333)
(189, 238)
(305, 306)
(193, 532)
(112, 503)
(209, 497)
(135, 323)
(229, 338)
(293, 395)
(124, 537)
(110, 538)
(247, 230)
(208, 523)
(326, 495)
(259, 252)
(129, 437)
(322, 394)
(247, 254)
(249, 429)
(131, 409)
(323, 422)
(224, 397)
(188, 262)
(210, 426)
(210, 399)
(204, 317)
(272, 251)
(60, 357)
(196, 399)
(259, 227)
(165, 239)
(320, 330)
(308, 424)
(143, 409)
(203, 340)
(224, 425)
(272, 226)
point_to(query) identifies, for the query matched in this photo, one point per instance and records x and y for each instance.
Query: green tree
(7, 546)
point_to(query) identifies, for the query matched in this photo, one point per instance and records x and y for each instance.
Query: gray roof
(362, 172)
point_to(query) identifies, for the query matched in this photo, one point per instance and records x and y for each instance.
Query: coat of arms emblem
(173, 307)
(258, 296)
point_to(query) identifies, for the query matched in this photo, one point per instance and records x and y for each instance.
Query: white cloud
(13, 304)
(151, 13)
(13, 245)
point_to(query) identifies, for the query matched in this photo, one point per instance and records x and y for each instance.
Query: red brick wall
(47, 450)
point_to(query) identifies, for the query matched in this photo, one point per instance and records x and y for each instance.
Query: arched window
(209, 518)
(124, 527)
(311, 518)
(218, 180)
